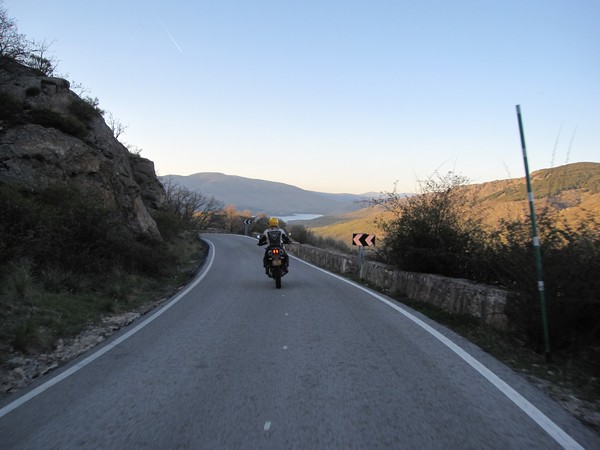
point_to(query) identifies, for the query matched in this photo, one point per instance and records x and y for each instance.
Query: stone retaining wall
(449, 294)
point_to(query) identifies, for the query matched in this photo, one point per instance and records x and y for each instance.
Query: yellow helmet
(273, 222)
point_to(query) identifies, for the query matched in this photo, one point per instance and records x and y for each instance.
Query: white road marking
(94, 356)
(285, 347)
(267, 426)
(556, 432)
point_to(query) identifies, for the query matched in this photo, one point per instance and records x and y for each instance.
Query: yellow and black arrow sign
(363, 239)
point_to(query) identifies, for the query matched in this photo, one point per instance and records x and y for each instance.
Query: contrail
(173, 40)
(165, 28)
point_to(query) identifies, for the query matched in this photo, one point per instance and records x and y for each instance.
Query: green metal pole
(536, 242)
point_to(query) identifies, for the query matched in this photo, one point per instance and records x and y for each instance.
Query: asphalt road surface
(232, 362)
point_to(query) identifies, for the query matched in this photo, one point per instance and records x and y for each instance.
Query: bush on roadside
(66, 259)
(190, 209)
(571, 264)
(432, 232)
(435, 232)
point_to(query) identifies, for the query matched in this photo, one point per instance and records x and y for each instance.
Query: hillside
(573, 190)
(266, 196)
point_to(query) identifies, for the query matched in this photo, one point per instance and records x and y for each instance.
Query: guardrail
(453, 295)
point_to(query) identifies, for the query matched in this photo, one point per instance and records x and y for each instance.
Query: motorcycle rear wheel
(277, 276)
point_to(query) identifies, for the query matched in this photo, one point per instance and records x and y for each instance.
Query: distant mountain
(270, 197)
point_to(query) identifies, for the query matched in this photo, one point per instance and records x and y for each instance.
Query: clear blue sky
(336, 96)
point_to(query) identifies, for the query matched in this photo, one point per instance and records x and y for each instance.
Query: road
(232, 362)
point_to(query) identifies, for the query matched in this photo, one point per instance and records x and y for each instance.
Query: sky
(336, 96)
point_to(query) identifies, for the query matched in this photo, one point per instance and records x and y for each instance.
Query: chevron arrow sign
(363, 239)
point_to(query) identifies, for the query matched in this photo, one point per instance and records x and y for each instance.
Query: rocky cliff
(49, 135)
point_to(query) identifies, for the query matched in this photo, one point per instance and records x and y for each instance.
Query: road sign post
(247, 224)
(362, 240)
(536, 242)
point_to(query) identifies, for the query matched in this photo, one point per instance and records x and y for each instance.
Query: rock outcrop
(49, 135)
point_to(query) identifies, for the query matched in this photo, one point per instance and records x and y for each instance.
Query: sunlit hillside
(342, 227)
(573, 191)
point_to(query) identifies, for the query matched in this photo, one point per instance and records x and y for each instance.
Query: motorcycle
(276, 262)
(276, 258)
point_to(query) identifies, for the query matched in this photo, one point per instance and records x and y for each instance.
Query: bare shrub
(193, 209)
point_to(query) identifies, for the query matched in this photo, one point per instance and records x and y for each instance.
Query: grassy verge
(33, 318)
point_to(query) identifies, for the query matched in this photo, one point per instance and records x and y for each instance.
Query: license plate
(276, 262)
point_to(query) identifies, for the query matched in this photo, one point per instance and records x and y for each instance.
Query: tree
(14, 45)
(38, 59)
(231, 214)
(232, 220)
(193, 208)
(432, 231)
(116, 126)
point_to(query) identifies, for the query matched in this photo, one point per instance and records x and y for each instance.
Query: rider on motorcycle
(274, 237)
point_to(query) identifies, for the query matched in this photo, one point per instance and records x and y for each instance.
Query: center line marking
(267, 425)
